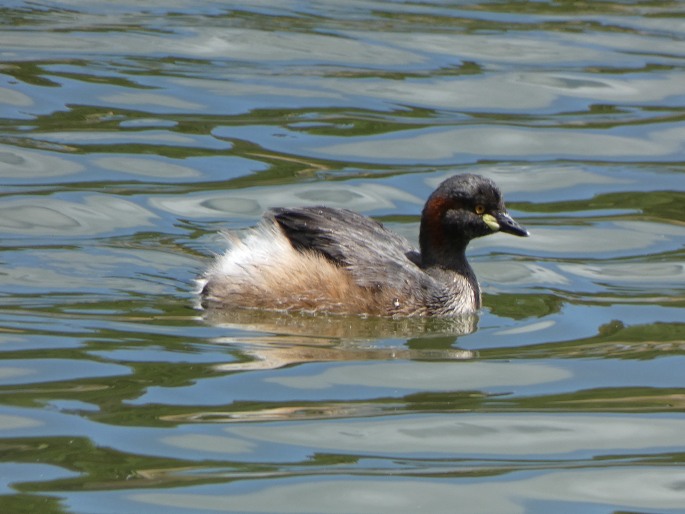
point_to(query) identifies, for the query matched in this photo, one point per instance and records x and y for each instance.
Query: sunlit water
(132, 134)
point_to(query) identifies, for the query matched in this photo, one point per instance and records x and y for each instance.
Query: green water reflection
(130, 137)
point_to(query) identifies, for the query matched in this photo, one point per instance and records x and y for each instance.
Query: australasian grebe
(319, 259)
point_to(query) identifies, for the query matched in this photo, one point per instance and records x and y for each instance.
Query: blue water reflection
(131, 136)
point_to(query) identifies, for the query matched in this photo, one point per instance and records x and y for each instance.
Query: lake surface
(133, 133)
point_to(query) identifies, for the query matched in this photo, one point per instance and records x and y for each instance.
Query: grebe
(320, 259)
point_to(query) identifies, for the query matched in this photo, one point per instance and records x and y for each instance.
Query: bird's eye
(480, 209)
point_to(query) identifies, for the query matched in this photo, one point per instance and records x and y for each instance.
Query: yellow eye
(480, 209)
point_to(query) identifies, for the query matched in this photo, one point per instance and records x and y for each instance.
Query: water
(132, 134)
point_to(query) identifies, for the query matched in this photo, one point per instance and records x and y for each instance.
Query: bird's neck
(438, 251)
(440, 254)
(453, 270)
